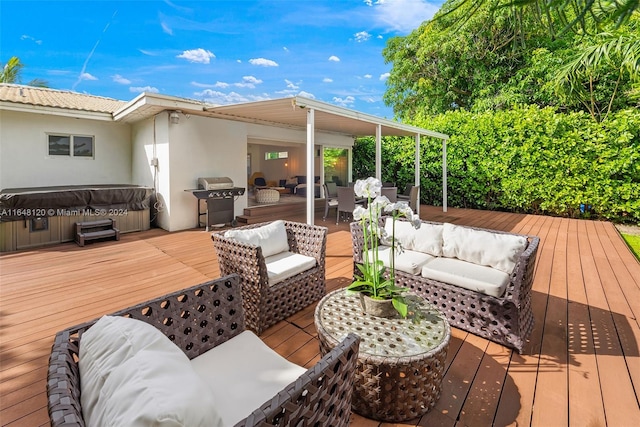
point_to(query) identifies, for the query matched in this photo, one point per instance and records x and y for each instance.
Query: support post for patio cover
(379, 152)
(311, 186)
(416, 167)
(444, 175)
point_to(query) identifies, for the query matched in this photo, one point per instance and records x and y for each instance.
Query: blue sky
(216, 51)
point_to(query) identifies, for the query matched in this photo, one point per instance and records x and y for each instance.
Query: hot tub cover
(20, 203)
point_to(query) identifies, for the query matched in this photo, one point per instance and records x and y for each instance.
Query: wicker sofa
(206, 325)
(281, 265)
(481, 279)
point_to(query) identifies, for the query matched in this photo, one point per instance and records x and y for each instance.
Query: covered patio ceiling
(303, 113)
(292, 113)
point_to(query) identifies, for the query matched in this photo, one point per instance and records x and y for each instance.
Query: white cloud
(166, 28)
(291, 85)
(306, 94)
(87, 76)
(327, 80)
(344, 102)
(362, 36)
(147, 52)
(221, 85)
(221, 98)
(286, 49)
(139, 89)
(248, 82)
(26, 37)
(263, 62)
(119, 79)
(367, 76)
(197, 55)
(403, 16)
(334, 58)
(384, 76)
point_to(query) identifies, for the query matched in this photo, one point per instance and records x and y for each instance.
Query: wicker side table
(401, 361)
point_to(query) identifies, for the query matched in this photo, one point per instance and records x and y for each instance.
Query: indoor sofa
(480, 279)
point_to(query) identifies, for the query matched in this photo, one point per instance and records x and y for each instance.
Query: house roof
(45, 97)
(284, 112)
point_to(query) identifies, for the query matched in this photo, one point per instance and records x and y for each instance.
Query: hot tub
(31, 217)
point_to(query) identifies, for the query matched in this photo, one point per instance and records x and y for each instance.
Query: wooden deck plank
(585, 405)
(619, 398)
(581, 366)
(552, 389)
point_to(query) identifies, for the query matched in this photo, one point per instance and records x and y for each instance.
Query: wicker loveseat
(276, 282)
(204, 322)
(481, 279)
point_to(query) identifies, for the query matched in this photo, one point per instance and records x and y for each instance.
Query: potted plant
(371, 283)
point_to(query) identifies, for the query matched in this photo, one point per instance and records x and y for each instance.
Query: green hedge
(527, 159)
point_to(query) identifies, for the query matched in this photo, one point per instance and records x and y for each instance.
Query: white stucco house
(53, 137)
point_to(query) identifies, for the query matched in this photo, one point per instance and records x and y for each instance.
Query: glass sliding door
(336, 165)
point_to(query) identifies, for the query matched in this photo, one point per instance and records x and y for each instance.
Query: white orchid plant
(372, 281)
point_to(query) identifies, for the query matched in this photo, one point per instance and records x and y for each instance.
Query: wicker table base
(401, 361)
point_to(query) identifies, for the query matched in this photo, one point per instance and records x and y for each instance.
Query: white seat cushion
(271, 237)
(243, 373)
(131, 374)
(283, 265)
(481, 247)
(479, 278)
(408, 261)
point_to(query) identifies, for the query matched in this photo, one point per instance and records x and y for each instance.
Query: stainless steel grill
(219, 194)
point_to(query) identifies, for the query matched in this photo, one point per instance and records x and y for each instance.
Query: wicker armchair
(266, 304)
(507, 320)
(321, 396)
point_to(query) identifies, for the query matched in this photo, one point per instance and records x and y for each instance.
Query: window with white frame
(70, 145)
(272, 155)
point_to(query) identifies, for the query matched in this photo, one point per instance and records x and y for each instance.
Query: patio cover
(304, 113)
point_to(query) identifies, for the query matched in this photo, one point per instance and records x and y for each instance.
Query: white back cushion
(107, 344)
(131, 374)
(500, 251)
(404, 233)
(271, 237)
(428, 239)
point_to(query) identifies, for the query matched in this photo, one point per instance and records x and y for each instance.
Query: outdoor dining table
(401, 361)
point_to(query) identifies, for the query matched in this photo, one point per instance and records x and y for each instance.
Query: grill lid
(216, 183)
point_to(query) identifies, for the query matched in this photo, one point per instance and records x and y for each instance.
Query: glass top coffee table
(401, 361)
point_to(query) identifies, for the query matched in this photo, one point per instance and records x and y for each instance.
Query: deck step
(94, 230)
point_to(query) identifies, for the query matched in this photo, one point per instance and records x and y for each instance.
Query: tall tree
(12, 73)
(559, 16)
(497, 57)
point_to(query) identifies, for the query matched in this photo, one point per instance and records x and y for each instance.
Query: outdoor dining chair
(346, 201)
(330, 197)
(410, 195)
(391, 193)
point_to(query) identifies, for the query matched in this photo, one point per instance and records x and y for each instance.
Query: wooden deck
(580, 368)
